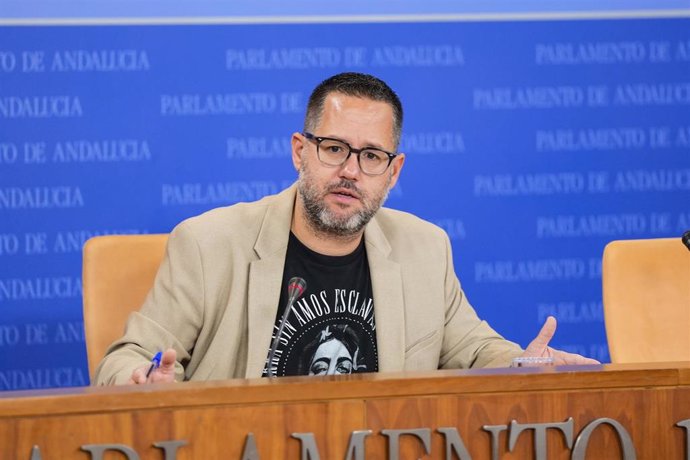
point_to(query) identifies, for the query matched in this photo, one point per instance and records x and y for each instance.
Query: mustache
(346, 184)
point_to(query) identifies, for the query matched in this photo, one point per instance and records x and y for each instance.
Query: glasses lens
(333, 152)
(373, 161)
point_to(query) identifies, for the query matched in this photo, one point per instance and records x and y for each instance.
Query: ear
(396, 168)
(298, 143)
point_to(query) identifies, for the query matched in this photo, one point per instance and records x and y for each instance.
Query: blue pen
(155, 363)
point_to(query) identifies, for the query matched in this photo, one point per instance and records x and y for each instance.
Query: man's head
(339, 194)
(357, 85)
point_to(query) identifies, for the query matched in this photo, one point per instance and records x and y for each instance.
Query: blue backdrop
(532, 143)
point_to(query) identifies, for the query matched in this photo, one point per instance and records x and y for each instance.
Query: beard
(324, 220)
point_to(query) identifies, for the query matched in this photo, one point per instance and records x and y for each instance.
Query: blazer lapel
(389, 302)
(265, 279)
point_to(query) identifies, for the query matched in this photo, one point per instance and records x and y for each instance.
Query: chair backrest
(118, 273)
(646, 293)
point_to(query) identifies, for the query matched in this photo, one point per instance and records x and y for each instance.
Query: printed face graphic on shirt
(331, 358)
(334, 349)
(328, 332)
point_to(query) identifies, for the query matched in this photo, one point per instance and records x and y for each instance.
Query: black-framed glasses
(334, 152)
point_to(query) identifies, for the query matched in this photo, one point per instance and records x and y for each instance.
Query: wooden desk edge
(363, 386)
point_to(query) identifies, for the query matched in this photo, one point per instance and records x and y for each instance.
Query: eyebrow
(325, 359)
(366, 146)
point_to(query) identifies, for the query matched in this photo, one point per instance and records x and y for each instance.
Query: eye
(344, 367)
(332, 147)
(319, 367)
(372, 156)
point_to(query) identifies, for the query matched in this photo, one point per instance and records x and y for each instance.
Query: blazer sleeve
(467, 340)
(171, 316)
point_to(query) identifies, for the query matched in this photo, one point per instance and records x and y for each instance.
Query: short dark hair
(357, 85)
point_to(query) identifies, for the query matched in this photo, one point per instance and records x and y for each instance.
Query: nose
(350, 169)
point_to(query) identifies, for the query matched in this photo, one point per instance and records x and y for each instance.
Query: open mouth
(345, 193)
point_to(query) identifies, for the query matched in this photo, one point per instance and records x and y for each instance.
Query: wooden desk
(215, 418)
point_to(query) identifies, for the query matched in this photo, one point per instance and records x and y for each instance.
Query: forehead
(358, 120)
(331, 348)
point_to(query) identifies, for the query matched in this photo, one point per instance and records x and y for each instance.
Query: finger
(166, 371)
(138, 376)
(540, 344)
(563, 357)
(168, 359)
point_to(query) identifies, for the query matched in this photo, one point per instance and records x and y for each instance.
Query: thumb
(168, 359)
(539, 346)
(166, 371)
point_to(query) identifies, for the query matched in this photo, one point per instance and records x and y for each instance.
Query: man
(384, 275)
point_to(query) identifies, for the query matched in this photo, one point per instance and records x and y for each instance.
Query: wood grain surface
(214, 418)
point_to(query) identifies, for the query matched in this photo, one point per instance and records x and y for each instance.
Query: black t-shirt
(330, 328)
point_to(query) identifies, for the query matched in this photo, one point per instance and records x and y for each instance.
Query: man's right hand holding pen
(154, 372)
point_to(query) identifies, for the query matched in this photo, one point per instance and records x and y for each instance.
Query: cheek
(320, 177)
(317, 180)
(379, 188)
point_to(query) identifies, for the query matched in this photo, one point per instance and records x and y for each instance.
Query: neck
(319, 241)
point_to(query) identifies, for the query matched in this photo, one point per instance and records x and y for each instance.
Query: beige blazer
(215, 297)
